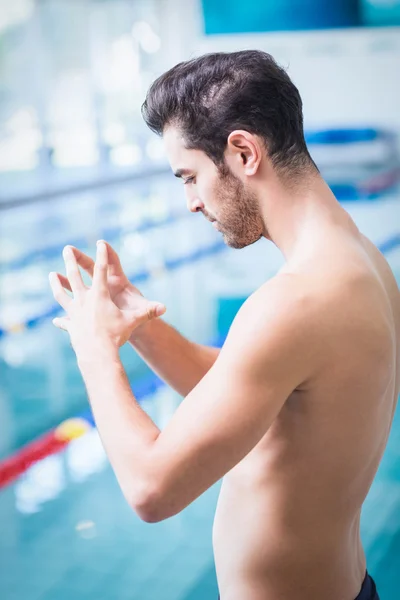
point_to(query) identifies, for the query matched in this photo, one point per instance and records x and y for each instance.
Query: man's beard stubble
(239, 219)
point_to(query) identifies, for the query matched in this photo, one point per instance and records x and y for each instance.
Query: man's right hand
(123, 293)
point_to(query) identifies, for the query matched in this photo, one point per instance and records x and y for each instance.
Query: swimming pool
(67, 532)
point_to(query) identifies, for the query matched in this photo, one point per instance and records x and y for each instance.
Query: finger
(73, 273)
(58, 291)
(61, 323)
(114, 262)
(64, 282)
(152, 310)
(101, 269)
(83, 260)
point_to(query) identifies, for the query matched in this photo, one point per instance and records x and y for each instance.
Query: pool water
(66, 530)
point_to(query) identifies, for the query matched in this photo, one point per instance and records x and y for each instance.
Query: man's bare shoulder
(285, 299)
(280, 318)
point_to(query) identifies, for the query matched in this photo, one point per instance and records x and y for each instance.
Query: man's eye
(188, 180)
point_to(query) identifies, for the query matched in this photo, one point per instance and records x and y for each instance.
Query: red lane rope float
(49, 443)
(381, 181)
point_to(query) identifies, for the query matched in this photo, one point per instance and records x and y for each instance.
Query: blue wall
(236, 16)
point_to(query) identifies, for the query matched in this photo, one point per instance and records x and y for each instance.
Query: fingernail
(67, 251)
(160, 308)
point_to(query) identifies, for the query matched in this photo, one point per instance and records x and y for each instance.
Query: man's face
(217, 193)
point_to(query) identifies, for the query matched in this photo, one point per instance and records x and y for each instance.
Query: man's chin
(237, 244)
(232, 243)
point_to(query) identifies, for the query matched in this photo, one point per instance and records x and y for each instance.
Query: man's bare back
(287, 523)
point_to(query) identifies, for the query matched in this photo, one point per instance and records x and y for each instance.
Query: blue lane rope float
(343, 191)
(164, 267)
(59, 437)
(347, 135)
(385, 247)
(108, 233)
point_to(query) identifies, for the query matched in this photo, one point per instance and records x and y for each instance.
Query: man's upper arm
(263, 360)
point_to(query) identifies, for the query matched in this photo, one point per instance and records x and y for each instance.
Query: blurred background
(78, 164)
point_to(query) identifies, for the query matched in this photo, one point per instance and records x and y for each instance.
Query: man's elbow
(147, 513)
(155, 507)
(148, 507)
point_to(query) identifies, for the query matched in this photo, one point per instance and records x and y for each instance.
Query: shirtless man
(295, 410)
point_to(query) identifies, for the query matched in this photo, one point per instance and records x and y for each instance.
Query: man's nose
(194, 204)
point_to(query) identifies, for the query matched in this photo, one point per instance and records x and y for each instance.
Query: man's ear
(243, 152)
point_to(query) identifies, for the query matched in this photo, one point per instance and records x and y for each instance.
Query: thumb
(151, 310)
(61, 323)
(155, 309)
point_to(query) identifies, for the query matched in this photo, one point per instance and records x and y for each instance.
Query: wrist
(143, 332)
(97, 354)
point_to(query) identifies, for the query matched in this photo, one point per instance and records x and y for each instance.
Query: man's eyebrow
(181, 172)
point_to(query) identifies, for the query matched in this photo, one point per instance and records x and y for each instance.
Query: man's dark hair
(209, 97)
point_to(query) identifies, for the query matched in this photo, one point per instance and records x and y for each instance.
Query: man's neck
(294, 217)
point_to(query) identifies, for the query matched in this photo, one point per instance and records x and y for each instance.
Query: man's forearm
(179, 362)
(127, 432)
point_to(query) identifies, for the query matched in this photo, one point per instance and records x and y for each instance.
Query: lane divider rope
(58, 439)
